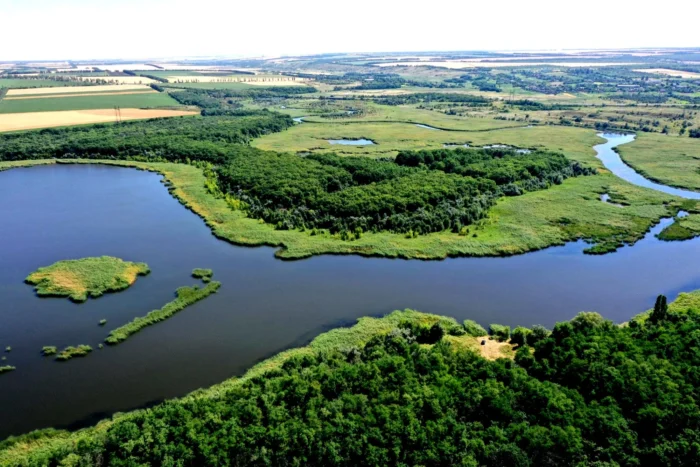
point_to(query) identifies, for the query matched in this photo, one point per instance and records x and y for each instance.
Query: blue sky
(98, 29)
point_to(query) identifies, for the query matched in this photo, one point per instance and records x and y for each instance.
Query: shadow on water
(265, 305)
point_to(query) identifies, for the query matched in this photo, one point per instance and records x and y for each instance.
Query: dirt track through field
(33, 120)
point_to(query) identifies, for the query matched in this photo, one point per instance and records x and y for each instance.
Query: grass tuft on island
(200, 273)
(72, 352)
(7, 369)
(48, 350)
(186, 296)
(79, 279)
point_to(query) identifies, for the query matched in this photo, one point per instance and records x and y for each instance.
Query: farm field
(14, 83)
(35, 120)
(49, 104)
(77, 90)
(667, 72)
(120, 79)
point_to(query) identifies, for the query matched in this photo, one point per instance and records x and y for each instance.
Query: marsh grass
(200, 273)
(49, 350)
(87, 277)
(73, 352)
(6, 369)
(186, 296)
(684, 228)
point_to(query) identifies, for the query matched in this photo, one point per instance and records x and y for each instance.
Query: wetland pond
(351, 142)
(55, 212)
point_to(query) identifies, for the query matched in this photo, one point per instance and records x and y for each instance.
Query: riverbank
(516, 225)
(397, 331)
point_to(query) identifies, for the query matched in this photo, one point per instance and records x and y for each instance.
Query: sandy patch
(76, 89)
(33, 120)
(493, 349)
(50, 96)
(667, 72)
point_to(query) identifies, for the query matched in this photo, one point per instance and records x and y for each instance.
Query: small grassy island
(72, 352)
(87, 277)
(6, 369)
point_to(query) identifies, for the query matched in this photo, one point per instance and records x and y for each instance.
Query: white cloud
(91, 29)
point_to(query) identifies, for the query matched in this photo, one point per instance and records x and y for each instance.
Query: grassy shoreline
(516, 225)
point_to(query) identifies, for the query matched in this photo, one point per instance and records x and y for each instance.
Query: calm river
(265, 305)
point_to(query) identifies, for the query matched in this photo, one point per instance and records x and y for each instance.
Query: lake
(265, 305)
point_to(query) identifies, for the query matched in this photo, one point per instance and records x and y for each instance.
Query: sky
(149, 29)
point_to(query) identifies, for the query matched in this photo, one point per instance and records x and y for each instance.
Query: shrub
(473, 328)
(520, 336)
(538, 334)
(500, 332)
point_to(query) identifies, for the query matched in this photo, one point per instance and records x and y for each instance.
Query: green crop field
(13, 83)
(138, 100)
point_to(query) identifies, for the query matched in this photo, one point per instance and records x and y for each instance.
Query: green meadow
(671, 160)
(49, 104)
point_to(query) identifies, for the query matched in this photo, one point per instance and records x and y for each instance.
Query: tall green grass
(186, 296)
(73, 352)
(79, 279)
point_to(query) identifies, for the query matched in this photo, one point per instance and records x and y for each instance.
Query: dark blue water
(265, 305)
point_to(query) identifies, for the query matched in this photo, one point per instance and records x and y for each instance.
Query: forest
(209, 139)
(589, 392)
(418, 193)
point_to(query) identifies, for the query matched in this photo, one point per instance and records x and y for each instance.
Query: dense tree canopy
(174, 139)
(421, 192)
(592, 393)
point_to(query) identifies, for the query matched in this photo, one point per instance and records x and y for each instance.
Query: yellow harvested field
(33, 120)
(667, 72)
(52, 96)
(77, 89)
